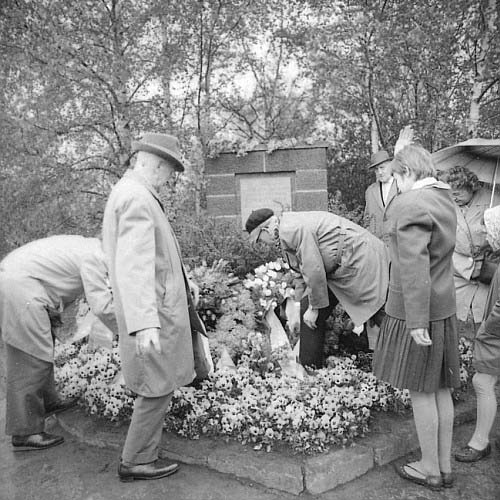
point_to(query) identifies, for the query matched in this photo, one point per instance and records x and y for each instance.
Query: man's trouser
(312, 341)
(30, 389)
(144, 433)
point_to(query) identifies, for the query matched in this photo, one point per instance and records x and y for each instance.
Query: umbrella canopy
(481, 156)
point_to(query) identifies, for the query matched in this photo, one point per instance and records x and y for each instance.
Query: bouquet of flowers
(270, 285)
(216, 286)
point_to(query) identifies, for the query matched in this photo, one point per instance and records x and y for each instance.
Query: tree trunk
(480, 83)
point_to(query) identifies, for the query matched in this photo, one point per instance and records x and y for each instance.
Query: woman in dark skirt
(417, 348)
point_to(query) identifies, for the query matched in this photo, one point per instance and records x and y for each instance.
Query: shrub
(207, 239)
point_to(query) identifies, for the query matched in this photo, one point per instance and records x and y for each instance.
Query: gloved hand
(310, 317)
(195, 292)
(292, 310)
(406, 137)
(421, 336)
(358, 330)
(146, 340)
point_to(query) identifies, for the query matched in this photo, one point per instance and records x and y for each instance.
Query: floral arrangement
(270, 285)
(265, 408)
(216, 287)
(93, 374)
(255, 401)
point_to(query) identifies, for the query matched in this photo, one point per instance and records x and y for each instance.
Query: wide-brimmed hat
(257, 217)
(162, 145)
(378, 158)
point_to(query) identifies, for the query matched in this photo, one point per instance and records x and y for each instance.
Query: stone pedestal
(286, 179)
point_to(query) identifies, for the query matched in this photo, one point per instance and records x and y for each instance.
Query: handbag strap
(468, 233)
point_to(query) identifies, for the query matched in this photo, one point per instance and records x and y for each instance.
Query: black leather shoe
(469, 454)
(155, 470)
(33, 442)
(60, 406)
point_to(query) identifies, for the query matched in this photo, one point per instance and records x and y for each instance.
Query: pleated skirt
(398, 360)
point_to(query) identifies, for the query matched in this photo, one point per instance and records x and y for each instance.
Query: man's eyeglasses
(260, 233)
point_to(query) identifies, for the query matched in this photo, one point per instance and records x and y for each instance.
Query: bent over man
(37, 281)
(338, 262)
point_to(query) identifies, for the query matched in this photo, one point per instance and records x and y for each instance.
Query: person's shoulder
(128, 190)
(372, 187)
(409, 202)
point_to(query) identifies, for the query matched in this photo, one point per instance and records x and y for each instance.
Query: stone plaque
(269, 190)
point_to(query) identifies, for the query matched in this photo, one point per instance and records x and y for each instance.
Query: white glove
(146, 338)
(421, 336)
(195, 292)
(310, 317)
(358, 330)
(405, 138)
(292, 310)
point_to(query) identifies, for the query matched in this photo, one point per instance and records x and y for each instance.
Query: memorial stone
(284, 180)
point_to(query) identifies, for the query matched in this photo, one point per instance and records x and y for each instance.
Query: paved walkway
(79, 471)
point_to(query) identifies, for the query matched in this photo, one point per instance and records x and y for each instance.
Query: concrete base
(391, 437)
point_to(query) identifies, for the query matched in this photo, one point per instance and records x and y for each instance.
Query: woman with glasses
(338, 262)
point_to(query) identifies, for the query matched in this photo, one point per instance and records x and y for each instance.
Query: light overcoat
(471, 236)
(149, 287)
(50, 273)
(330, 251)
(374, 208)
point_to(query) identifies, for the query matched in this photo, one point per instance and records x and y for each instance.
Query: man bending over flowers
(37, 281)
(338, 262)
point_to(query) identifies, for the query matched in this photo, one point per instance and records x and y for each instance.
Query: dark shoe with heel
(155, 470)
(406, 471)
(448, 479)
(469, 454)
(34, 442)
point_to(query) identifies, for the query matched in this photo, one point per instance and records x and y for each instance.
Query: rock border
(390, 437)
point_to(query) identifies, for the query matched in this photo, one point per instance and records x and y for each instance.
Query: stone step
(391, 437)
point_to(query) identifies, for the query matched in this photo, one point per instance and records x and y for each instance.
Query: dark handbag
(201, 362)
(488, 269)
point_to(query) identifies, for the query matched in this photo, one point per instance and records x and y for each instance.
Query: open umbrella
(480, 156)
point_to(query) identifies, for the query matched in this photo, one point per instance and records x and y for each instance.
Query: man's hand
(310, 317)
(421, 336)
(146, 338)
(195, 292)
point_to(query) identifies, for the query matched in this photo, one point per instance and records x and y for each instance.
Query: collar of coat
(136, 176)
(429, 182)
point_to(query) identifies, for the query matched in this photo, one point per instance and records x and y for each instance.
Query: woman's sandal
(432, 482)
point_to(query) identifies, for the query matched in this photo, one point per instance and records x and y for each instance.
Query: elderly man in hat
(151, 294)
(37, 281)
(338, 262)
(378, 194)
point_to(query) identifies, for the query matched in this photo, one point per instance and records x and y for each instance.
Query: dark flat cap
(257, 217)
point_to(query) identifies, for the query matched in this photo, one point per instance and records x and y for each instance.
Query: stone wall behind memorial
(286, 179)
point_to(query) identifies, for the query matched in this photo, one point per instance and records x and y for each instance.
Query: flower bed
(253, 401)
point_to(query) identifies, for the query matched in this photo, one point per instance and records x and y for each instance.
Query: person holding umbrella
(471, 199)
